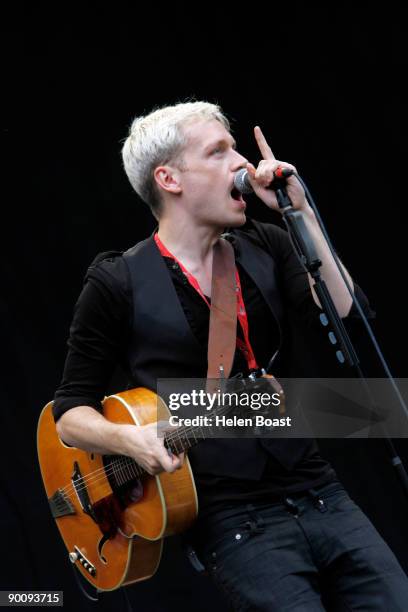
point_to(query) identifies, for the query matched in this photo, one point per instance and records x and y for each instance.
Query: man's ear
(168, 178)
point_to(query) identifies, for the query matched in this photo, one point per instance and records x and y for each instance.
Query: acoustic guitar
(112, 514)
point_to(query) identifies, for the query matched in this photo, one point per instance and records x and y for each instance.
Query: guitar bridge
(60, 504)
(82, 492)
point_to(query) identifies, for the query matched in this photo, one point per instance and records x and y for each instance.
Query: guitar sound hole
(100, 546)
(135, 491)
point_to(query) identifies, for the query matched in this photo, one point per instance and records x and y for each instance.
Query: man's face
(212, 161)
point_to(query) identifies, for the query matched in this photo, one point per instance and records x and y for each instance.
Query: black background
(324, 81)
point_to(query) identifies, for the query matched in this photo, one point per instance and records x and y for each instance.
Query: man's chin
(238, 220)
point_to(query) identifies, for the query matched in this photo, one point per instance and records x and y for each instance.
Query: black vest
(163, 346)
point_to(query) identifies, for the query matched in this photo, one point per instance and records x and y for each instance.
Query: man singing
(276, 529)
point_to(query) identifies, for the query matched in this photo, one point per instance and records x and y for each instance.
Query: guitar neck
(183, 438)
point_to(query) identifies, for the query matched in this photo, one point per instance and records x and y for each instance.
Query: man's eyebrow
(221, 141)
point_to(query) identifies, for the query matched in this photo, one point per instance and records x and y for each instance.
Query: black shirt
(101, 327)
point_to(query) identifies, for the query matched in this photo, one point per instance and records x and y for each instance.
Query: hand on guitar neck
(85, 428)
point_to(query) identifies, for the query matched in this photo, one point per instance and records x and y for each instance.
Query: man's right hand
(147, 448)
(85, 428)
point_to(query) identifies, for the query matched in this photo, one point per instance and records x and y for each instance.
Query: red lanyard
(191, 279)
(243, 345)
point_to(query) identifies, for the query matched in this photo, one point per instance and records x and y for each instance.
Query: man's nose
(240, 161)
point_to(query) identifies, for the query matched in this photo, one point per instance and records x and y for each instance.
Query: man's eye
(217, 150)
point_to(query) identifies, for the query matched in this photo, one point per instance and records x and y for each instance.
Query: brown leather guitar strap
(223, 313)
(223, 323)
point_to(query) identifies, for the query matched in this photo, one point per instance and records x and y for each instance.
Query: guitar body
(114, 532)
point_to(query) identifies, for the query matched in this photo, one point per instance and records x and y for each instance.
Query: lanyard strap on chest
(227, 304)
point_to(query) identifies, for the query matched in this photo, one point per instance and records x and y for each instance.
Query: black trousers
(311, 553)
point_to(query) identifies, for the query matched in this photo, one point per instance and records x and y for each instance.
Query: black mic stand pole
(306, 252)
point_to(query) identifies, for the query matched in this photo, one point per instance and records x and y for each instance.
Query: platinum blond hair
(157, 139)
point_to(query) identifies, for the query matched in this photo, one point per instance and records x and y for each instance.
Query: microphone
(241, 179)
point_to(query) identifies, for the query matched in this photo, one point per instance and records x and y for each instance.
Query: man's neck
(192, 245)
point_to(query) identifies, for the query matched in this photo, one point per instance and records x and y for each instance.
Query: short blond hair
(158, 138)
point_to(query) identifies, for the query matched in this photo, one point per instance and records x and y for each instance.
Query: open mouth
(236, 195)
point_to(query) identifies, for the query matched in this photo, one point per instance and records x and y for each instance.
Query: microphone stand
(306, 252)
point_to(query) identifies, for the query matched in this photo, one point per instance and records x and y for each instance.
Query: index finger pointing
(262, 144)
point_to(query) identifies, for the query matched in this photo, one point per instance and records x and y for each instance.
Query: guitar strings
(123, 462)
(172, 436)
(119, 459)
(124, 469)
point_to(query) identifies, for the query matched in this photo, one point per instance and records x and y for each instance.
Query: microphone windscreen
(241, 182)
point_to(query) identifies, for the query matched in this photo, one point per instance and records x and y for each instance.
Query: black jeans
(314, 552)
